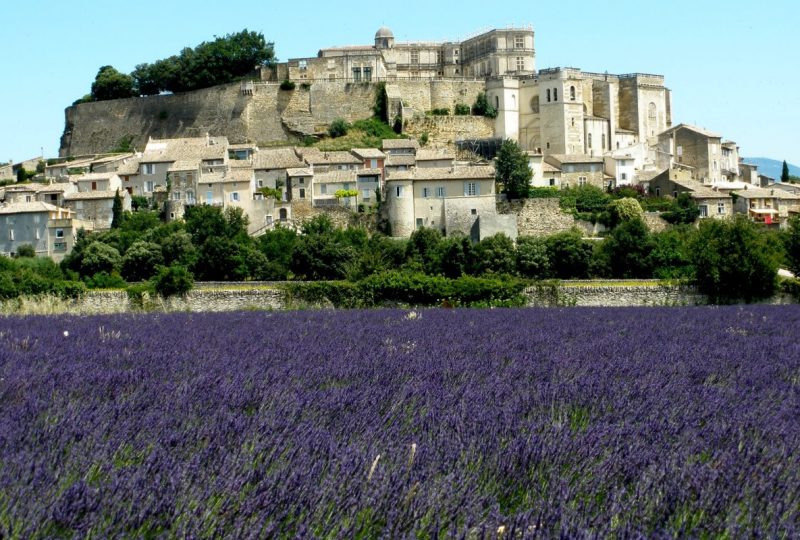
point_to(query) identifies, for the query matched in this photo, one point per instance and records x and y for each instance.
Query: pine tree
(116, 211)
(785, 172)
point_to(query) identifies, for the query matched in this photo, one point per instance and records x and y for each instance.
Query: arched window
(572, 93)
(651, 111)
(555, 94)
(589, 139)
(548, 95)
(535, 104)
(284, 214)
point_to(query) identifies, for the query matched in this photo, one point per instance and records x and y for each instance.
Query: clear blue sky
(732, 65)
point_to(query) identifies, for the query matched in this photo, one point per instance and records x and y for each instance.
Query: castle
(204, 147)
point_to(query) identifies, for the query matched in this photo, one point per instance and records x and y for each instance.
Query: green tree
(785, 172)
(175, 280)
(422, 250)
(177, 248)
(684, 210)
(455, 255)
(481, 107)
(512, 170)
(628, 250)
(734, 260)
(99, 257)
(277, 246)
(111, 84)
(494, 255)
(569, 255)
(624, 210)
(792, 241)
(338, 128)
(117, 215)
(532, 259)
(670, 255)
(26, 250)
(141, 261)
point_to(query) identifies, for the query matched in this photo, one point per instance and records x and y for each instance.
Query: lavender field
(655, 422)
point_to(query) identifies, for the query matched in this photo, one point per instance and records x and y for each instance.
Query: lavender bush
(436, 423)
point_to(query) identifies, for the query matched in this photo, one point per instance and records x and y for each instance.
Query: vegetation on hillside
(223, 60)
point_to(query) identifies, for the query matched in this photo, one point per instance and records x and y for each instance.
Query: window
(10, 234)
(703, 210)
(604, 141)
(235, 196)
(283, 214)
(426, 192)
(366, 194)
(520, 63)
(323, 189)
(552, 181)
(415, 57)
(658, 192)
(59, 233)
(302, 181)
(419, 223)
(373, 163)
(367, 74)
(149, 186)
(721, 208)
(572, 93)
(302, 64)
(573, 121)
(176, 195)
(474, 211)
(588, 138)
(555, 94)
(209, 197)
(470, 189)
(94, 186)
(623, 176)
(190, 197)
(302, 193)
(548, 95)
(268, 220)
(651, 111)
(357, 74)
(581, 180)
(440, 192)
(148, 168)
(519, 42)
(398, 192)
(680, 150)
(260, 183)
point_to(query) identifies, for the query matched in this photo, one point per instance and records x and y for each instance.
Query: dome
(383, 32)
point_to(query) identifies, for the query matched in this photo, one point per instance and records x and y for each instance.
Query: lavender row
(388, 423)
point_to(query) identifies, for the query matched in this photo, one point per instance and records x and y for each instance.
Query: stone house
(298, 184)
(51, 230)
(695, 149)
(712, 202)
(321, 161)
(434, 157)
(372, 158)
(64, 169)
(109, 164)
(416, 198)
(768, 206)
(98, 182)
(326, 184)
(400, 147)
(270, 166)
(96, 206)
(578, 169)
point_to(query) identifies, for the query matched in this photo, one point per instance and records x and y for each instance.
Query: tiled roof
(546, 167)
(39, 188)
(753, 192)
(94, 176)
(330, 158)
(129, 166)
(368, 153)
(368, 172)
(111, 159)
(696, 129)
(432, 154)
(184, 165)
(575, 158)
(480, 172)
(395, 161)
(394, 144)
(300, 171)
(86, 195)
(165, 150)
(340, 177)
(276, 158)
(27, 208)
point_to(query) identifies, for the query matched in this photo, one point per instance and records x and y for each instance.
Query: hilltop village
(576, 128)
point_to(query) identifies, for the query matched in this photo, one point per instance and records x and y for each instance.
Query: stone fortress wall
(257, 112)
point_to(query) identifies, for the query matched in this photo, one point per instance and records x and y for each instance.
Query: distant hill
(772, 167)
